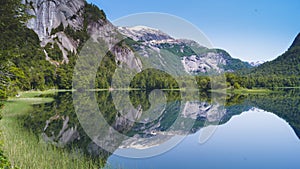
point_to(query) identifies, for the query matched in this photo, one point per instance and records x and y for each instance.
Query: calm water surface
(254, 139)
(254, 131)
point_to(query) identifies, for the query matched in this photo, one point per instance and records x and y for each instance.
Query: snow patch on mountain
(256, 63)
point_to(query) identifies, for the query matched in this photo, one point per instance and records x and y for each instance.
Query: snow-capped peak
(144, 33)
(142, 28)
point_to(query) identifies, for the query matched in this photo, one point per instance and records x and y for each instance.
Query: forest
(23, 65)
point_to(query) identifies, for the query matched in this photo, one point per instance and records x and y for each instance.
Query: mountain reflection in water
(147, 126)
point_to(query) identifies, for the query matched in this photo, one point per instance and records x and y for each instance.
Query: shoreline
(24, 149)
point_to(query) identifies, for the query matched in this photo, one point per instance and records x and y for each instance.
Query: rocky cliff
(49, 15)
(65, 25)
(195, 59)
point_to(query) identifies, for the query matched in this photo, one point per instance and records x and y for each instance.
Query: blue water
(255, 139)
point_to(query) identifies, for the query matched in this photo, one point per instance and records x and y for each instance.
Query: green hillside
(288, 64)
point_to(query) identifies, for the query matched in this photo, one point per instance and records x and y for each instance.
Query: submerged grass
(25, 150)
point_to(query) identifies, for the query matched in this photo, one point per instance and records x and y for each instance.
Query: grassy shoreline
(23, 149)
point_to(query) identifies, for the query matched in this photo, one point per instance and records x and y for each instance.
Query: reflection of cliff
(148, 119)
(57, 124)
(148, 123)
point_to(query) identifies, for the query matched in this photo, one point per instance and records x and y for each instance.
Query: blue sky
(249, 30)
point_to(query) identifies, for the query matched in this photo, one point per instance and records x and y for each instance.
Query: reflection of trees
(285, 104)
(59, 124)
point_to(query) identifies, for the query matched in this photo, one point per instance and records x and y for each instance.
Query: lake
(168, 129)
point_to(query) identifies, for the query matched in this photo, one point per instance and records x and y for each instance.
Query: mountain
(42, 39)
(288, 64)
(65, 25)
(195, 59)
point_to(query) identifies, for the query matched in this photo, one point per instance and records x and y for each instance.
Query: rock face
(109, 33)
(52, 17)
(195, 64)
(49, 15)
(66, 134)
(195, 59)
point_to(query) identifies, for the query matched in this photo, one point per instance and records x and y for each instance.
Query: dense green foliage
(153, 79)
(260, 81)
(93, 14)
(203, 82)
(105, 71)
(23, 65)
(21, 57)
